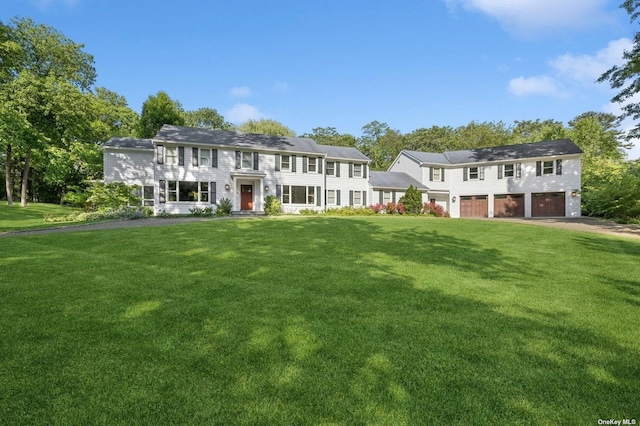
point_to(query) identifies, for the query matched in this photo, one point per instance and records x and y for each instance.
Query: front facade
(184, 168)
(528, 180)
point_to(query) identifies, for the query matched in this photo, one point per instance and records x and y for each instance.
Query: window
(298, 194)
(509, 170)
(331, 196)
(312, 164)
(547, 167)
(247, 160)
(473, 173)
(204, 191)
(357, 170)
(194, 157)
(357, 198)
(205, 156)
(173, 190)
(331, 168)
(147, 195)
(437, 173)
(188, 191)
(286, 162)
(386, 197)
(172, 156)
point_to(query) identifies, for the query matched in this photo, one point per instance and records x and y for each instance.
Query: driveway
(584, 224)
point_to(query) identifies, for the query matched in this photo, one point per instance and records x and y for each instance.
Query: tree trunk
(8, 176)
(25, 180)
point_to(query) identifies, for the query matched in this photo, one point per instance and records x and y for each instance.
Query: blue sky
(343, 64)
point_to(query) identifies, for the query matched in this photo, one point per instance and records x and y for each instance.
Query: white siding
(131, 166)
(297, 178)
(409, 166)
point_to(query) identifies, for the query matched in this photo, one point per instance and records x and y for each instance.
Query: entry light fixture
(453, 200)
(266, 188)
(227, 187)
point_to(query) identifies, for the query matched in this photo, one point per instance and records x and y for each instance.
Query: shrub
(309, 212)
(272, 205)
(197, 211)
(224, 207)
(395, 208)
(378, 208)
(434, 209)
(103, 214)
(412, 200)
(99, 196)
(350, 211)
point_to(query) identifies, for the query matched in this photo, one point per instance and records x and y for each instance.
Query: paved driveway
(585, 224)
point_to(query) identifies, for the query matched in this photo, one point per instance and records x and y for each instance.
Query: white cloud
(240, 113)
(526, 17)
(588, 68)
(240, 92)
(541, 85)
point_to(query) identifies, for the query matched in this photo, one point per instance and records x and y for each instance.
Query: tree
(157, 111)
(380, 143)
(626, 78)
(111, 116)
(44, 83)
(330, 136)
(266, 127)
(206, 118)
(412, 200)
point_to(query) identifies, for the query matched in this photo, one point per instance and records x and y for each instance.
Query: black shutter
(481, 172)
(279, 192)
(194, 157)
(214, 158)
(160, 154)
(320, 161)
(293, 163)
(518, 170)
(364, 198)
(256, 161)
(465, 173)
(500, 171)
(163, 191)
(381, 193)
(277, 162)
(305, 164)
(558, 167)
(350, 170)
(338, 196)
(431, 174)
(538, 168)
(238, 160)
(364, 171)
(181, 156)
(337, 169)
(318, 197)
(351, 198)
(442, 175)
(212, 188)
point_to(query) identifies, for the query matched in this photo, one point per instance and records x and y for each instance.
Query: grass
(20, 218)
(376, 320)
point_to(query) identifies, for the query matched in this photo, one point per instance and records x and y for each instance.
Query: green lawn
(18, 218)
(376, 320)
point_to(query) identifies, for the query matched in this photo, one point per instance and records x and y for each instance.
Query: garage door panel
(508, 205)
(474, 206)
(548, 204)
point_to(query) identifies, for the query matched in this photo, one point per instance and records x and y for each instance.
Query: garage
(548, 204)
(474, 206)
(508, 205)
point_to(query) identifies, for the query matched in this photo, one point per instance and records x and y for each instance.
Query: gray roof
(393, 180)
(192, 135)
(343, 152)
(500, 153)
(131, 143)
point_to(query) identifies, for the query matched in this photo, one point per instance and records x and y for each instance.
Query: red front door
(246, 197)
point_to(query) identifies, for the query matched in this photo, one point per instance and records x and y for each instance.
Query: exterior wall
(345, 184)
(133, 166)
(298, 178)
(409, 166)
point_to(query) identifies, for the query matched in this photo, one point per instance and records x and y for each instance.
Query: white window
(509, 170)
(312, 164)
(547, 167)
(205, 156)
(285, 163)
(473, 173)
(437, 173)
(247, 160)
(298, 194)
(172, 155)
(386, 197)
(204, 191)
(357, 170)
(357, 198)
(173, 190)
(331, 168)
(331, 196)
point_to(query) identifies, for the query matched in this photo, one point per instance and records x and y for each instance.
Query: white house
(526, 180)
(182, 168)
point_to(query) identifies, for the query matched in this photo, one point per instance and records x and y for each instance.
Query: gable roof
(131, 143)
(192, 135)
(343, 152)
(499, 153)
(393, 180)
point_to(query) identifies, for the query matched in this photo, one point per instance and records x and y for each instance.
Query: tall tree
(206, 118)
(157, 111)
(45, 83)
(625, 78)
(111, 116)
(330, 136)
(266, 127)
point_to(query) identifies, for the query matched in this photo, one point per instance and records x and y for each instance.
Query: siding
(135, 167)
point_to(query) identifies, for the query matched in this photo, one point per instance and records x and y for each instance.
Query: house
(527, 180)
(389, 187)
(183, 168)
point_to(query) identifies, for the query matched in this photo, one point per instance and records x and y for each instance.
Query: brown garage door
(547, 204)
(474, 206)
(508, 205)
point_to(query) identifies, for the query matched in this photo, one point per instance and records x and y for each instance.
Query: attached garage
(474, 206)
(508, 205)
(548, 204)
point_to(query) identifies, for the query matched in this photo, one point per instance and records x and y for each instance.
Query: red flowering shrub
(434, 209)
(378, 208)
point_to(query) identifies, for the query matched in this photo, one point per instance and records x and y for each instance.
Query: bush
(412, 200)
(378, 208)
(272, 205)
(394, 208)
(434, 209)
(309, 212)
(350, 211)
(100, 196)
(103, 214)
(224, 207)
(197, 211)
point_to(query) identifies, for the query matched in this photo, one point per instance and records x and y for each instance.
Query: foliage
(412, 200)
(206, 118)
(266, 127)
(330, 136)
(309, 212)
(197, 211)
(272, 205)
(116, 213)
(224, 207)
(349, 211)
(100, 196)
(612, 190)
(157, 111)
(434, 209)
